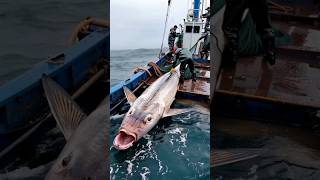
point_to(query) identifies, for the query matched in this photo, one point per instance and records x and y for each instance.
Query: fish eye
(63, 164)
(148, 119)
(131, 111)
(65, 161)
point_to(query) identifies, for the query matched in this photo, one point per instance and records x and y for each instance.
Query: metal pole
(196, 8)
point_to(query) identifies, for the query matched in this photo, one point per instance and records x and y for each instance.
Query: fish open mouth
(124, 140)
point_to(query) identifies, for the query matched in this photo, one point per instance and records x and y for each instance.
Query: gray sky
(139, 23)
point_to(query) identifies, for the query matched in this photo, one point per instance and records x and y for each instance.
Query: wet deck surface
(294, 79)
(304, 37)
(298, 8)
(199, 87)
(291, 80)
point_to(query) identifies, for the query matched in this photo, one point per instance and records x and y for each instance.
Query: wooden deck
(298, 9)
(199, 87)
(294, 79)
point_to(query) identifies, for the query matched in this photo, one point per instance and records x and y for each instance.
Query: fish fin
(66, 112)
(173, 112)
(129, 95)
(224, 157)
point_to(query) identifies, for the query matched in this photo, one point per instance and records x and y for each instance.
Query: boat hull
(22, 102)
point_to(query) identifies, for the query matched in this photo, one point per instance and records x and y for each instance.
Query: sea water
(288, 152)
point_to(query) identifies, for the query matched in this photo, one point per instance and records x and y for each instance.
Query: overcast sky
(140, 23)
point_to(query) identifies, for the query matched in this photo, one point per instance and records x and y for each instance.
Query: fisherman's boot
(181, 80)
(231, 53)
(194, 77)
(268, 41)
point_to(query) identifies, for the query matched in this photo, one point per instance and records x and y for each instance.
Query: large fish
(85, 155)
(146, 110)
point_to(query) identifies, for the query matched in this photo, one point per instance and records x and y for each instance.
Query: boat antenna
(165, 27)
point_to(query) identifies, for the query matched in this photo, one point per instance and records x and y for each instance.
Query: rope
(84, 25)
(138, 69)
(165, 27)
(156, 68)
(217, 42)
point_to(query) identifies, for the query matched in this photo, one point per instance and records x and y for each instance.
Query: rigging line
(203, 1)
(217, 42)
(165, 27)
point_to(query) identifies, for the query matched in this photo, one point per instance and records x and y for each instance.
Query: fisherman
(207, 15)
(172, 35)
(185, 58)
(232, 21)
(204, 52)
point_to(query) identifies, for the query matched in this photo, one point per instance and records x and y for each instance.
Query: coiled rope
(155, 67)
(138, 69)
(84, 25)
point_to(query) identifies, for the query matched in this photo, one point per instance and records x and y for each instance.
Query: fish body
(85, 155)
(146, 110)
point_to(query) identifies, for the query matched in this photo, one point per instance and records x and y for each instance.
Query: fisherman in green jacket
(231, 25)
(172, 36)
(185, 58)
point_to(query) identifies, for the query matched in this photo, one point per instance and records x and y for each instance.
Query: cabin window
(196, 29)
(188, 29)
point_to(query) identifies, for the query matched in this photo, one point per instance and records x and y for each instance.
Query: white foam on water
(178, 136)
(133, 164)
(117, 116)
(145, 173)
(27, 173)
(129, 168)
(253, 169)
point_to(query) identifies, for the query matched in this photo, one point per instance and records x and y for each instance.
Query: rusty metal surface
(204, 74)
(292, 80)
(202, 65)
(201, 87)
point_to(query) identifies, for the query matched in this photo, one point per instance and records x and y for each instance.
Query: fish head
(72, 165)
(65, 166)
(138, 121)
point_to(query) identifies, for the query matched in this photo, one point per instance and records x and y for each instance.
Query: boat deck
(294, 79)
(304, 37)
(199, 87)
(302, 9)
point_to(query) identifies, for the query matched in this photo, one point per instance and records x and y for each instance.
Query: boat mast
(196, 9)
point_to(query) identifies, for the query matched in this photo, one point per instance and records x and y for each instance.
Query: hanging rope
(165, 27)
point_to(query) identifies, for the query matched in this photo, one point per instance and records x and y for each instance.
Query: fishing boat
(193, 28)
(288, 91)
(80, 69)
